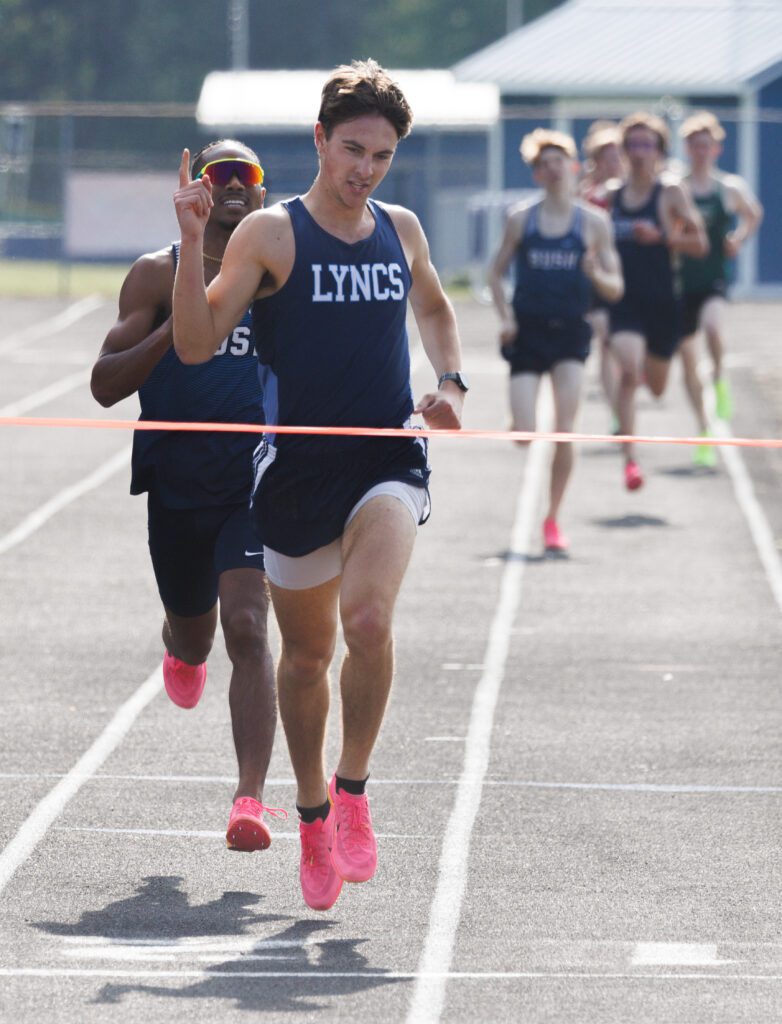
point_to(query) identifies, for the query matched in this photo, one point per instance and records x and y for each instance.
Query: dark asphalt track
(578, 783)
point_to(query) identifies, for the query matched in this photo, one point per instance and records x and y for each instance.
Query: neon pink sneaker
(553, 540)
(634, 478)
(354, 851)
(247, 831)
(320, 883)
(184, 683)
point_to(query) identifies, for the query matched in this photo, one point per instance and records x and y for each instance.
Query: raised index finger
(184, 169)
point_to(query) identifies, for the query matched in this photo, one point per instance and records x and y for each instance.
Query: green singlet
(702, 275)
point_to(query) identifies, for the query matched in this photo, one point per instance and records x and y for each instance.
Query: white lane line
(48, 357)
(380, 975)
(189, 944)
(204, 833)
(620, 787)
(141, 956)
(429, 993)
(47, 810)
(48, 394)
(36, 519)
(54, 324)
(676, 954)
(759, 526)
(640, 787)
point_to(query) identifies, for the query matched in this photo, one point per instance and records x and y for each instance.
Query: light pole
(239, 34)
(514, 14)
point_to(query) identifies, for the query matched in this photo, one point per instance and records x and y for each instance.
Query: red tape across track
(484, 435)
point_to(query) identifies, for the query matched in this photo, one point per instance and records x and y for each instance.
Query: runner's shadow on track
(159, 914)
(689, 471)
(306, 978)
(631, 522)
(160, 909)
(513, 556)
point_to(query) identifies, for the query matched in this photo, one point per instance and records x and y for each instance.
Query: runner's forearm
(117, 375)
(194, 335)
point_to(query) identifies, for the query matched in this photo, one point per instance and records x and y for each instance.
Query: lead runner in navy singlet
(330, 274)
(202, 544)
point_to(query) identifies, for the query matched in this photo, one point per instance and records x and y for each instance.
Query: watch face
(458, 378)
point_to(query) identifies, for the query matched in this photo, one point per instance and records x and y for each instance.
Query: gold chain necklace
(212, 259)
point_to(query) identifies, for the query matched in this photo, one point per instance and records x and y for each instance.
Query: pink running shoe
(184, 683)
(320, 883)
(247, 830)
(553, 540)
(634, 478)
(354, 851)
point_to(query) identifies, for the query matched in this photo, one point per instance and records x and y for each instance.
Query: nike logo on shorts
(252, 554)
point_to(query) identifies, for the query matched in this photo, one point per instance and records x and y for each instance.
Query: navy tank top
(549, 280)
(332, 342)
(648, 269)
(202, 469)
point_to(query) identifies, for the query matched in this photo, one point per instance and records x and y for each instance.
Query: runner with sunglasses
(329, 274)
(205, 553)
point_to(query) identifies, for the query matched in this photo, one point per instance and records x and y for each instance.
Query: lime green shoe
(723, 399)
(704, 454)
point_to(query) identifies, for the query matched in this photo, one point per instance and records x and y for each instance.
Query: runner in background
(655, 221)
(603, 163)
(732, 214)
(563, 251)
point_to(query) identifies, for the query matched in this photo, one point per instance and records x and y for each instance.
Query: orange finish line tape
(484, 435)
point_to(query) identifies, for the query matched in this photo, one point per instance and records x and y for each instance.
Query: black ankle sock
(351, 786)
(309, 814)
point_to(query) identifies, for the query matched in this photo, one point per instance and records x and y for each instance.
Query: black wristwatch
(458, 378)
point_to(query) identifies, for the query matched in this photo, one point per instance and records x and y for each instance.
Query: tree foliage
(148, 50)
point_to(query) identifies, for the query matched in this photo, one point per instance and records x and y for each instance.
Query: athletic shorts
(654, 317)
(325, 563)
(301, 502)
(693, 302)
(542, 343)
(190, 548)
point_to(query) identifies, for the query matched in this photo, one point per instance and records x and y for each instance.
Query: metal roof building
(603, 58)
(596, 47)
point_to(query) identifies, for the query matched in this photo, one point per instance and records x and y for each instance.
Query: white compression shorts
(323, 564)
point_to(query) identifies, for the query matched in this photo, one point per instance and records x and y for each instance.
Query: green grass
(40, 279)
(46, 279)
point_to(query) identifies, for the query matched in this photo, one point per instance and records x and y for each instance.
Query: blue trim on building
(770, 175)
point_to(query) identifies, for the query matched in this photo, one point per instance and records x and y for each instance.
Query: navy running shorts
(693, 302)
(190, 548)
(542, 343)
(655, 317)
(301, 502)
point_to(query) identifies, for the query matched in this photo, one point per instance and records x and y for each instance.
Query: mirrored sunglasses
(222, 171)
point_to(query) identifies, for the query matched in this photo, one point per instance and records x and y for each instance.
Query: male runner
(721, 200)
(204, 550)
(330, 273)
(603, 163)
(563, 248)
(654, 220)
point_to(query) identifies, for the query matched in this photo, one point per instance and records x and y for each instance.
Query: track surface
(578, 783)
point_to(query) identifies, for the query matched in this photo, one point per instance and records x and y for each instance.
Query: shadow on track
(159, 913)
